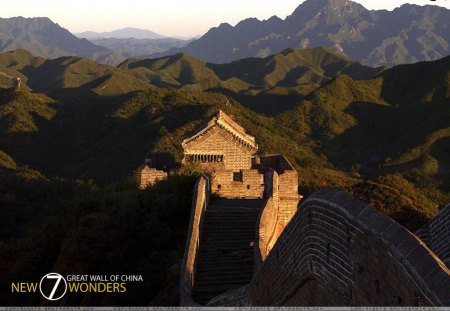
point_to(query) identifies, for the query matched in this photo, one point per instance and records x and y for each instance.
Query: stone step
(220, 227)
(226, 248)
(226, 226)
(220, 271)
(232, 238)
(202, 297)
(226, 252)
(243, 273)
(217, 251)
(216, 287)
(227, 242)
(236, 219)
(227, 209)
(225, 264)
(223, 281)
(229, 232)
(230, 223)
(224, 261)
(223, 225)
(229, 274)
(225, 274)
(230, 235)
(231, 214)
(215, 230)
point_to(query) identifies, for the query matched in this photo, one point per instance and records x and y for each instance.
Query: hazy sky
(167, 17)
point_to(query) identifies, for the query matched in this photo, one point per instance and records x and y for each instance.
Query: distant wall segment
(150, 175)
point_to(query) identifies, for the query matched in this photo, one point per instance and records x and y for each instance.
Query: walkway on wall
(225, 258)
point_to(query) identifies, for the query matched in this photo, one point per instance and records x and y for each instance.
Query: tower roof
(222, 120)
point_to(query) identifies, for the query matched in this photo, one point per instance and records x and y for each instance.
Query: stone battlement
(252, 183)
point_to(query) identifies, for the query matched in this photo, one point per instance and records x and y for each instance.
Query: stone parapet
(231, 184)
(199, 202)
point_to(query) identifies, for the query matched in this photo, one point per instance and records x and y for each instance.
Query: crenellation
(250, 184)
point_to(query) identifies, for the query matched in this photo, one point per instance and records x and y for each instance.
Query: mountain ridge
(47, 39)
(407, 34)
(297, 71)
(122, 33)
(139, 48)
(300, 70)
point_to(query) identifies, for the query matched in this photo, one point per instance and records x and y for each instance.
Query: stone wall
(266, 228)
(436, 234)
(250, 185)
(199, 202)
(278, 212)
(339, 251)
(289, 197)
(287, 189)
(151, 175)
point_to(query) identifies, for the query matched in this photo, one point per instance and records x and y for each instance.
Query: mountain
(22, 110)
(130, 47)
(69, 72)
(293, 71)
(44, 38)
(397, 116)
(124, 33)
(407, 34)
(290, 70)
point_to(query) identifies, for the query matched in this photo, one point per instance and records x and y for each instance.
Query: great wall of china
(251, 242)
